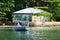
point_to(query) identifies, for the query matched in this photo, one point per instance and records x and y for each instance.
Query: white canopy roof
(29, 10)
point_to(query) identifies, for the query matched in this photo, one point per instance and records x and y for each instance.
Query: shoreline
(37, 24)
(11, 28)
(47, 23)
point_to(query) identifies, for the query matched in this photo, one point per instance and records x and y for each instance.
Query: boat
(20, 28)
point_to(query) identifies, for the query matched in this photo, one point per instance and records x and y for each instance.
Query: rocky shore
(47, 24)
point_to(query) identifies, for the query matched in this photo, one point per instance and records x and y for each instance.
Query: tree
(6, 6)
(55, 10)
(54, 0)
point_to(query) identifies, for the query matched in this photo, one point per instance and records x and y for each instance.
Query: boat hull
(20, 29)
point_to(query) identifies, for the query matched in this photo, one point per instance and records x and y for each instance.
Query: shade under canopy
(29, 10)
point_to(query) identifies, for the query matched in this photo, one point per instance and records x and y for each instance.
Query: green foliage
(55, 10)
(46, 14)
(6, 6)
(2, 14)
(55, 0)
(21, 4)
(45, 7)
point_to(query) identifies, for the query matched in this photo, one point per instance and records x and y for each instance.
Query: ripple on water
(34, 33)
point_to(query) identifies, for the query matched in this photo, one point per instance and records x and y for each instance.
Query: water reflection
(18, 33)
(32, 34)
(21, 35)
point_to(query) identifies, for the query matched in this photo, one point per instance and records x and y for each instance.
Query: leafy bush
(46, 14)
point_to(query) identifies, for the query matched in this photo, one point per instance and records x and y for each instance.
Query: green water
(33, 34)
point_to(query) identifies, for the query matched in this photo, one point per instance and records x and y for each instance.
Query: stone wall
(39, 19)
(35, 18)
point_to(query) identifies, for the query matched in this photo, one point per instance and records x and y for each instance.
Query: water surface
(34, 33)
